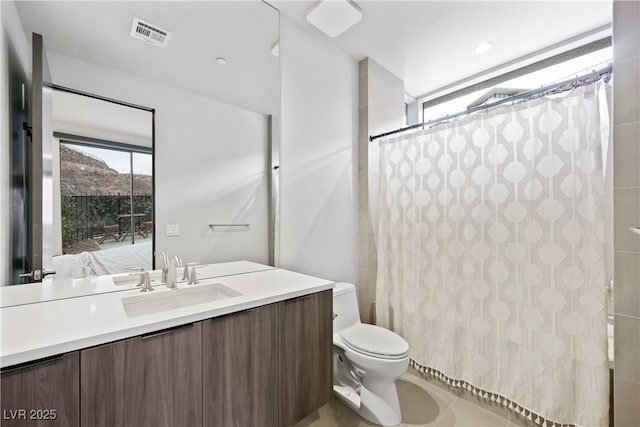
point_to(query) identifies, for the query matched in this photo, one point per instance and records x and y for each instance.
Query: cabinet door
(150, 381)
(47, 391)
(305, 356)
(240, 369)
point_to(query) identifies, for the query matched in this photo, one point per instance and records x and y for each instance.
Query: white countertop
(52, 289)
(33, 331)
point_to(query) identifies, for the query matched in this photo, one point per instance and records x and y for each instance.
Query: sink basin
(127, 279)
(155, 302)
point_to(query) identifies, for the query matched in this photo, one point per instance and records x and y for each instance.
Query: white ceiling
(430, 44)
(242, 32)
(94, 118)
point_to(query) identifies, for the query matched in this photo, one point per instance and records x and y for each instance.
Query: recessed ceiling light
(484, 47)
(334, 17)
(221, 61)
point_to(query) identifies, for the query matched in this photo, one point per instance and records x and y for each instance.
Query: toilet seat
(375, 341)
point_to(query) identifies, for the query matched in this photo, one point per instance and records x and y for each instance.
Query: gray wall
(381, 110)
(626, 183)
(318, 175)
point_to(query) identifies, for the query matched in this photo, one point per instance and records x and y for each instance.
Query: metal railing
(90, 216)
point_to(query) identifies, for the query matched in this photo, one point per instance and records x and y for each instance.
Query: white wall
(11, 37)
(318, 174)
(210, 163)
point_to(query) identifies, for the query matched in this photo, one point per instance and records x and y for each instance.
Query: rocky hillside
(84, 174)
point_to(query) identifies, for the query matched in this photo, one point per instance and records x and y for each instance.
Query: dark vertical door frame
(34, 185)
(132, 223)
(19, 91)
(273, 187)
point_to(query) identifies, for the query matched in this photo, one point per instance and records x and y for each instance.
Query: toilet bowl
(367, 359)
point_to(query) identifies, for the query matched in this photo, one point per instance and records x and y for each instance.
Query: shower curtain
(491, 254)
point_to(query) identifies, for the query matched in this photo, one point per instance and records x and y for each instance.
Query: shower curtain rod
(592, 77)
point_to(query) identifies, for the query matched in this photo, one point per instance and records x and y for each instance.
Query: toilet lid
(374, 340)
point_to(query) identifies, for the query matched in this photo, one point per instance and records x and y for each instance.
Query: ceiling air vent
(150, 33)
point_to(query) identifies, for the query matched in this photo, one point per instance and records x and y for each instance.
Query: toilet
(367, 360)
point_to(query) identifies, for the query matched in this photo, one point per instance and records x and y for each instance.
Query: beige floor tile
(518, 421)
(424, 403)
(465, 414)
(335, 413)
(431, 387)
(421, 404)
(486, 404)
(452, 392)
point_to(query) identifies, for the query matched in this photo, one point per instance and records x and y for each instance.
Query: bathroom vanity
(257, 356)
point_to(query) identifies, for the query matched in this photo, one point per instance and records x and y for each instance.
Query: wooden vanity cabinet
(240, 368)
(46, 390)
(150, 380)
(265, 367)
(306, 339)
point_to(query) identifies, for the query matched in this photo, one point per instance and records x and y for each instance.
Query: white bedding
(107, 261)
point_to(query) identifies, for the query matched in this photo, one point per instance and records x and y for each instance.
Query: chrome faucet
(169, 271)
(165, 269)
(172, 274)
(144, 279)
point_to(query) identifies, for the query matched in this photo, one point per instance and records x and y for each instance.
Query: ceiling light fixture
(334, 17)
(221, 61)
(484, 47)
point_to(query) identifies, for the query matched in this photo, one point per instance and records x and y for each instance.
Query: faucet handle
(193, 279)
(138, 270)
(145, 280)
(185, 272)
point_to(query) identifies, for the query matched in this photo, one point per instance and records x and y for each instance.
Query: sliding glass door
(106, 200)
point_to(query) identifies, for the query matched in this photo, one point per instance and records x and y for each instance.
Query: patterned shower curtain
(491, 255)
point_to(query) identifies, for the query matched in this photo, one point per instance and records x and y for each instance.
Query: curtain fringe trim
(492, 397)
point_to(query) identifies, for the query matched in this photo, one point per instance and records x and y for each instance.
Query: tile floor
(424, 402)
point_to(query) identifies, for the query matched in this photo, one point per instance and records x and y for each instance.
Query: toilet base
(369, 405)
(373, 397)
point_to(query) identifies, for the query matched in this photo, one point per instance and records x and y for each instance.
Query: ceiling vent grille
(150, 33)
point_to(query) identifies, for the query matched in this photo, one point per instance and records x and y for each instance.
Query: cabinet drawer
(42, 393)
(306, 337)
(154, 380)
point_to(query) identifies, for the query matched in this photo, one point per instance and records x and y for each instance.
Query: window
(106, 196)
(552, 74)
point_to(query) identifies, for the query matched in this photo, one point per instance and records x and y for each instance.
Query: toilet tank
(345, 306)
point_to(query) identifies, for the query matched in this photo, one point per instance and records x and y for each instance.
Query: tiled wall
(381, 103)
(626, 182)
